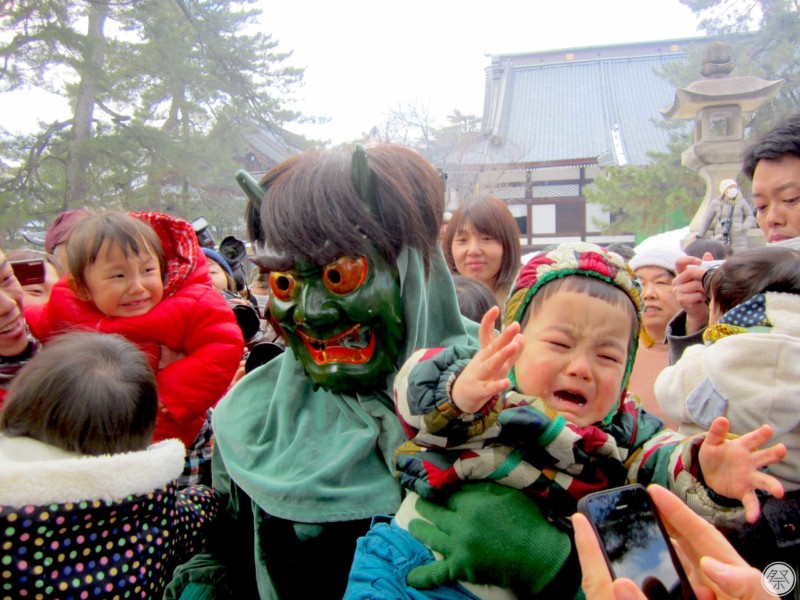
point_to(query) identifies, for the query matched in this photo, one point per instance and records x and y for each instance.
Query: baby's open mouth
(568, 396)
(354, 346)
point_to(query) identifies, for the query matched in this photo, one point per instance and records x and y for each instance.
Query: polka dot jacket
(99, 535)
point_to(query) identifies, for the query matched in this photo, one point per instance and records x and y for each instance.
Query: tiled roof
(274, 147)
(572, 104)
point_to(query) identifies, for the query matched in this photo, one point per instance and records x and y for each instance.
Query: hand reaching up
(731, 466)
(486, 375)
(688, 290)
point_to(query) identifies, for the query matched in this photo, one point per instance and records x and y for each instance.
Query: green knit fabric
(198, 591)
(316, 456)
(526, 561)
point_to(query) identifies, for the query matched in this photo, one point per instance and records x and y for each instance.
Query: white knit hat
(661, 256)
(725, 184)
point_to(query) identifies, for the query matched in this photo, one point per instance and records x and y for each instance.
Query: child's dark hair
(719, 250)
(474, 299)
(753, 272)
(782, 140)
(88, 236)
(85, 392)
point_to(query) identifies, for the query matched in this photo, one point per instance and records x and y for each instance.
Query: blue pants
(383, 559)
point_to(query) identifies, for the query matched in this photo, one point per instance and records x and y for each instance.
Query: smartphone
(28, 272)
(635, 542)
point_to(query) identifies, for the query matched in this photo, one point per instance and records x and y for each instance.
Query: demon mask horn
(361, 175)
(251, 187)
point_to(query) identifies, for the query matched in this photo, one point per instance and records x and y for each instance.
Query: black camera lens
(247, 319)
(261, 354)
(232, 250)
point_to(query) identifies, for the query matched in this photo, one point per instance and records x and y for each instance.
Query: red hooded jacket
(193, 319)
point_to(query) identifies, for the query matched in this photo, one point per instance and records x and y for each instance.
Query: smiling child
(143, 276)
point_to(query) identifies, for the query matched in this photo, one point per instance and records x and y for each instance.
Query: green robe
(314, 456)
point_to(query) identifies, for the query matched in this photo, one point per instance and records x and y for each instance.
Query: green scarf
(316, 456)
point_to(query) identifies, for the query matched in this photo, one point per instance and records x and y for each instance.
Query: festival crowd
(385, 401)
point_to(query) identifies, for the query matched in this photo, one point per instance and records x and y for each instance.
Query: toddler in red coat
(143, 276)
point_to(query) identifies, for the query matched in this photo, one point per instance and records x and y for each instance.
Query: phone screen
(633, 541)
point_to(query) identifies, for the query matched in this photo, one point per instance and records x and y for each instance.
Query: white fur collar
(107, 477)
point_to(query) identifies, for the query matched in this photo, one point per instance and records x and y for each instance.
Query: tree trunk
(79, 156)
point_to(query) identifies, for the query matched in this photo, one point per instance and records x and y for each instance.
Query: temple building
(552, 121)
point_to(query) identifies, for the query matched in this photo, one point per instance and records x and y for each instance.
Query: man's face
(343, 320)
(776, 197)
(13, 333)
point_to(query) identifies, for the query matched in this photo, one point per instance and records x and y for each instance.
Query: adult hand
(689, 293)
(714, 569)
(486, 375)
(732, 467)
(489, 534)
(595, 576)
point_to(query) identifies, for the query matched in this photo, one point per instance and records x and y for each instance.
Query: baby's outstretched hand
(486, 375)
(731, 466)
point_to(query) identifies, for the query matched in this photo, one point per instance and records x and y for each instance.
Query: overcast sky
(363, 58)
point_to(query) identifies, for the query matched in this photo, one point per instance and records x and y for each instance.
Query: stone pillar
(719, 105)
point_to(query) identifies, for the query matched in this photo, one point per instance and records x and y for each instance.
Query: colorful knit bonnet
(576, 258)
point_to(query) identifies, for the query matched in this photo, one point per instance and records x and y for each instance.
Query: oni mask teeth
(346, 347)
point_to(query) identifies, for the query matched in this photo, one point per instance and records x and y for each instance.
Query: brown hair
(312, 212)
(89, 234)
(753, 272)
(30, 254)
(591, 286)
(489, 216)
(85, 392)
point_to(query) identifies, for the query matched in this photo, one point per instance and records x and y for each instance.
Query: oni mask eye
(345, 275)
(281, 284)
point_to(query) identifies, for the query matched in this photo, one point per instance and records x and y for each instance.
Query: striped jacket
(518, 441)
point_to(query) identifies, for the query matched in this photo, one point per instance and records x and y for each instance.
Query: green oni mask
(343, 320)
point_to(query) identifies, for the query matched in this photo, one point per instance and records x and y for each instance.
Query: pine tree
(163, 93)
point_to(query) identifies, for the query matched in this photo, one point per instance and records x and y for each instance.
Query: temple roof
(599, 104)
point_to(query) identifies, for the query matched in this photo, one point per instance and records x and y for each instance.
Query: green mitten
(489, 534)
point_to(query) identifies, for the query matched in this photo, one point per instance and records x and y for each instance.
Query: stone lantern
(719, 105)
